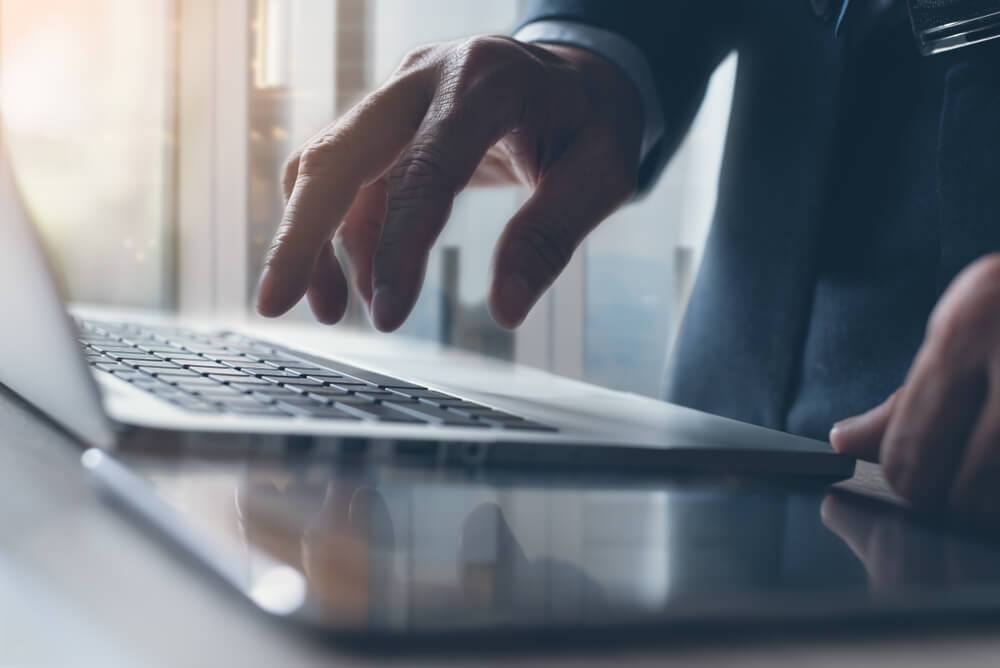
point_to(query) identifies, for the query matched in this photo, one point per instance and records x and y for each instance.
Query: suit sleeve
(681, 41)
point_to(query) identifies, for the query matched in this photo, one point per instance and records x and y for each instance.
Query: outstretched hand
(379, 182)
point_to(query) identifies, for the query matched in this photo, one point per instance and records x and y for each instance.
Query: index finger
(354, 151)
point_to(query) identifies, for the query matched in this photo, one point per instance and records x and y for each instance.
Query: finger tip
(276, 295)
(327, 309)
(385, 310)
(266, 308)
(510, 300)
(836, 438)
(504, 317)
(848, 440)
(267, 304)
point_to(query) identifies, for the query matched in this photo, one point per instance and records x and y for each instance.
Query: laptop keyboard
(228, 374)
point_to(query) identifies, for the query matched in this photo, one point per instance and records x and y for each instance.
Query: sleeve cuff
(617, 50)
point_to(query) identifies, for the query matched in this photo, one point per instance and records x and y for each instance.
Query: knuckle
(417, 58)
(489, 62)
(484, 50)
(290, 172)
(317, 155)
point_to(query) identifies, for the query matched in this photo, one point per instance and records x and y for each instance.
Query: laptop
(118, 381)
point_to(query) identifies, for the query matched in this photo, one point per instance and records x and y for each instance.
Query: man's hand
(380, 181)
(938, 436)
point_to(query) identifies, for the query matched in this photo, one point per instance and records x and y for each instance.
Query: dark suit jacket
(858, 178)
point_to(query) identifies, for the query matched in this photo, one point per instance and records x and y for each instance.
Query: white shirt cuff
(617, 50)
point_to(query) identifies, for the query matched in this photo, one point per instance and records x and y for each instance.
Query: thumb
(861, 435)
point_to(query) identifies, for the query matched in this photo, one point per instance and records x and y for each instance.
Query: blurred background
(149, 138)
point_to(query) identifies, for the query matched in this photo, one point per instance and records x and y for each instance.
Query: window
(89, 128)
(613, 313)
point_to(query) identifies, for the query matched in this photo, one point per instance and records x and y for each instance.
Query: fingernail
(842, 428)
(384, 307)
(846, 424)
(514, 295)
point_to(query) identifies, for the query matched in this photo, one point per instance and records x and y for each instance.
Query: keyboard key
(138, 357)
(238, 401)
(245, 386)
(381, 380)
(194, 384)
(437, 415)
(182, 358)
(271, 390)
(289, 363)
(376, 394)
(298, 400)
(488, 413)
(259, 409)
(153, 367)
(227, 372)
(192, 404)
(148, 384)
(296, 409)
(210, 351)
(327, 377)
(112, 366)
(298, 384)
(452, 402)
(379, 412)
(129, 375)
(320, 398)
(520, 425)
(269, 372)
(113, 349)
(329, 392)
(203, 365)
(242, 380)
(171, 375)
(220, 392)
(422, 393)
(353, 400)
(331, 413)
(358, 387)
(158, 349)
(232, 358)
(258, 369)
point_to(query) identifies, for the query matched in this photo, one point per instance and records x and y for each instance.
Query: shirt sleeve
(615, 49)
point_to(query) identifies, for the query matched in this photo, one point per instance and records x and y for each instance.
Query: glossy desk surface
(79, 579)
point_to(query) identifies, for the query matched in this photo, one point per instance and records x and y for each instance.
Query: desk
(77, 578)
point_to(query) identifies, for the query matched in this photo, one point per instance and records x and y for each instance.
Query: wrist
(611, 92)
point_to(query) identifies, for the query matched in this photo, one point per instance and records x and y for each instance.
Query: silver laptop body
(42, 360)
